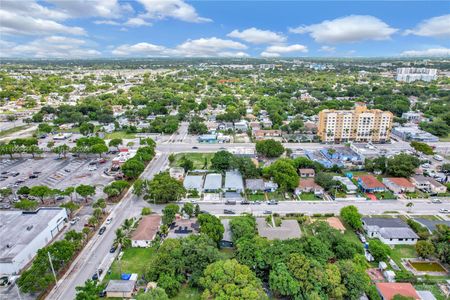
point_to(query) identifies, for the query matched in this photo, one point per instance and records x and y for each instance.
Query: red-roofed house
(370, 184)
(388, 290)
(399, 185)
(307, 185)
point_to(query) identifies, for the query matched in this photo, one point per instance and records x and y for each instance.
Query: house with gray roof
(213, 183)
(193, 182)
(289, 229)
(391, 231)
(120, 288)
(255, 185)
(234, 182)
(349, 185)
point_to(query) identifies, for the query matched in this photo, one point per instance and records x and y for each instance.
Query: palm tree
(409, 204)
(127, 224)
(121, 239)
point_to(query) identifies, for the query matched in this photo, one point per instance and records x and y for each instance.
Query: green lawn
(433, 288)
(417, 194)
(309, 197)
(403, 251)
(445, 139)
(134, 260)
(188, 293)
(197, 158)
(350, 234)
(256, 197)
(10, 131)
(385, 195)
(119, 135)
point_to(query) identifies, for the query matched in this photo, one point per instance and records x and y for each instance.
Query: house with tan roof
(308, 185)
(307, 172)
(388, 290)
(370, 184)
(146, 231)
(399, 185)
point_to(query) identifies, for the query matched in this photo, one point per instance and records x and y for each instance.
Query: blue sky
(178, 28)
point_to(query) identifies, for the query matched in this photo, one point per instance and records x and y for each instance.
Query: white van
(438, 157)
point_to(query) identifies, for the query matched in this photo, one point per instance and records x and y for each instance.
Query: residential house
(255, 126)
(306, 173)
(146, 231)
(308, 185)
(289, 229)
(255, 185)
(391, 231)
(120, 289)
(370, 184)
(270, 186)
(388, 290)
(225, 126)
(428, 184)
(266, 123)
(399, 185)
(266, 134)
(241, 126)
(193, 182)
(213, 183)
(349, 185)
(234, 182)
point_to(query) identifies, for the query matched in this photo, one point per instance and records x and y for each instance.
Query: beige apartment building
(359, 125)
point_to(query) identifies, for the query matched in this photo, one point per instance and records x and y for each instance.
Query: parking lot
(54, 172)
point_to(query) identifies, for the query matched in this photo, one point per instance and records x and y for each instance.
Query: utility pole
(53, 270)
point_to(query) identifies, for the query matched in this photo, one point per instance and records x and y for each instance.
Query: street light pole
(53, 270)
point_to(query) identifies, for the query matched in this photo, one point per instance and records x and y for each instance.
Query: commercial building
(413, 133)
(22, 234)
(146, 231)
(391, 231)
(360, 124)
(414, 74)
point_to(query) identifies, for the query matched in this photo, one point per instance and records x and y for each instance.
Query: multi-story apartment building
(414, 74)
(360, 125)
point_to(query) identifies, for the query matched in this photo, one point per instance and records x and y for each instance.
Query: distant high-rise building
(360, 125)
(414, 74)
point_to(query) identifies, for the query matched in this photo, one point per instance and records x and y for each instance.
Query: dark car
(32, 176)
(59, 198)
(113, 249)
(96, 274)
(267, 212)
(228, 212)
(102, 230)
(15, 174)
(245, 202)
(195, 147)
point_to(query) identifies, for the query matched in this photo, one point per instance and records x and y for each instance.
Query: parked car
(228, 212)
(15, 174)
(245, 202)
(230, 202)
(96, 274)
(60, 198)
(195, 147)
(436, 201)
(267, 212)
(272, 202)
(108, 221)
(102, 230)
(362, 238)
(32, 176)
(74, 221)
(444, 211)
(113, 249)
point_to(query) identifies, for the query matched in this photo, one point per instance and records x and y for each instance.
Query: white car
(74, 221)
(108, 221)
(444, 211)
(92, 168)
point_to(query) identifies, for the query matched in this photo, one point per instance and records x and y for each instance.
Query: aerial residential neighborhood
(251, 150)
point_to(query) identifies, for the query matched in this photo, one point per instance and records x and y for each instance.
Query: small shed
(120, 288)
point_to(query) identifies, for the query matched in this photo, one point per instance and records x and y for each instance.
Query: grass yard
(188, 293)
(403, 251)
(445, 139)
(9, 131)
(417, 194)
(309, 197)
(433, 288)
(119, 135)
(276, 196)
(385, 195)
(197, 158)
(350, 234)
(134, 260)
(256, 197)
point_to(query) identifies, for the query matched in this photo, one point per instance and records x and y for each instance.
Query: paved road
(96, 253)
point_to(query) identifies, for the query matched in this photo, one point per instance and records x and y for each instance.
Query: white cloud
(434, 27)
(328, 49)
(257, 36)
(16, 23)
(107, 22)
(204, 47)
(50, 47)
(348, 29)
(438, 52)
(287, 48)
(270, 54)
(176, 9)
(92, 8)
(137, 22)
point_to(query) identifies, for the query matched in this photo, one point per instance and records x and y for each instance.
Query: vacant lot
(199, 159)
(134, 260)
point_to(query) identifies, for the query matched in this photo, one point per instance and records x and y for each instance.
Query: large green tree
(163, 188)
(402, 165)
(211, 226)
(351, 216)
(269, 148)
